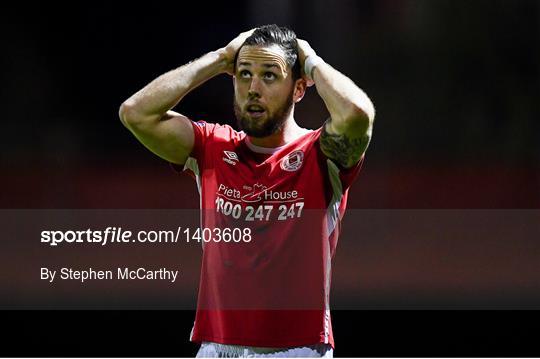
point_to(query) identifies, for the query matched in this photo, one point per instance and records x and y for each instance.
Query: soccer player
(267, 295)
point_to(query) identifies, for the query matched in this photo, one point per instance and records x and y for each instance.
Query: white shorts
(215, 350)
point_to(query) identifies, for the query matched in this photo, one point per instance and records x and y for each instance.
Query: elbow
(364, 112)
(128, 115)
(360, 118)
(123, 113)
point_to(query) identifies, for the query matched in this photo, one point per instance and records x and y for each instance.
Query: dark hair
(285, 38)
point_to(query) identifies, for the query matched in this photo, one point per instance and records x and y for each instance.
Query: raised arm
(347, 132)
(147, 114)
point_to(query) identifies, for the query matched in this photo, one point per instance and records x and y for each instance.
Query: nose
(254, 88)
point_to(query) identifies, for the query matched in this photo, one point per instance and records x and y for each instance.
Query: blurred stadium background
(455, 83)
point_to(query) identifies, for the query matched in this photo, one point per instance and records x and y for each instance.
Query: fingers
(303, 45)
(240, 39)
(305, 48)
(249, 32)
(244, 35)
(232, 48)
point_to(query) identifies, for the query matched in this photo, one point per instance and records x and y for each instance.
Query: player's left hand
(305, 50)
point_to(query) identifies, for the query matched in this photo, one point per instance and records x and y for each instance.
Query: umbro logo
(230, 157)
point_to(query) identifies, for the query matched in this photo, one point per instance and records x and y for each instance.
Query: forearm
(345, 101)
(164, 93)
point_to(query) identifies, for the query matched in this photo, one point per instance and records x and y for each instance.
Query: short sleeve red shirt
(273, 290)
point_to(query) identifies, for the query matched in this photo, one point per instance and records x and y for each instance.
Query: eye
(269, 76)
(245, 74)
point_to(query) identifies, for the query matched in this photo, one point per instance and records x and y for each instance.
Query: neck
(288, 133)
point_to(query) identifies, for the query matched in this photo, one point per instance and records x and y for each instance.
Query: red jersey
(270, 285)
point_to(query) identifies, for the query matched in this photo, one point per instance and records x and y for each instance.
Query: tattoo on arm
(344, 150)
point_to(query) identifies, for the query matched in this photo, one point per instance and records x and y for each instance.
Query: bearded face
(256, 120)
(264, 90)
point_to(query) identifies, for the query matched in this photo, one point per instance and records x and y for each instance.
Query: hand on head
(304, 51)
(230, 51)
(232, 48)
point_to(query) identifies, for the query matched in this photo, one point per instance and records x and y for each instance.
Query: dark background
(456, 86)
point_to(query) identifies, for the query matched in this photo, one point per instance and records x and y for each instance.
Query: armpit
(344, 150)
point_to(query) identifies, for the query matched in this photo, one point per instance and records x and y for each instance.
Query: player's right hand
(232, 48)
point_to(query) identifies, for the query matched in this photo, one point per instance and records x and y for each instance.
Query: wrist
(310, 63)
(222, 59)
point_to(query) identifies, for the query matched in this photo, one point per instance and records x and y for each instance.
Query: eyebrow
(243, 63)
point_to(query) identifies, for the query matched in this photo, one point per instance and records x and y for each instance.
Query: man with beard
(284, 184)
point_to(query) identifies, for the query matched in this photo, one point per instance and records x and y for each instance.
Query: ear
(300, 86)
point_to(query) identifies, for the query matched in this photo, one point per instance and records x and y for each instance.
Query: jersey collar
(259, 149)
